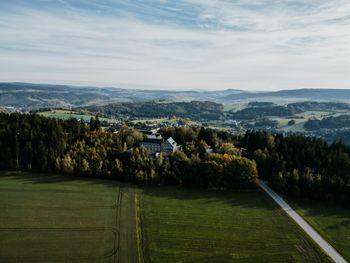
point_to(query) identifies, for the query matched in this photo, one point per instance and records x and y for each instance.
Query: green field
(68, 114)
(299, 125)
(51, 218)
(211, 226)
(235, 106)
(331, 220)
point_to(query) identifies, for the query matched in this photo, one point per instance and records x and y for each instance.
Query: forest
(258, 109)
(300, 166)
(342, 121)
(35, 143)
(296, 166)
(196, 110)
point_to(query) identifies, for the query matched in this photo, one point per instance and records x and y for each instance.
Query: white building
(157, 144)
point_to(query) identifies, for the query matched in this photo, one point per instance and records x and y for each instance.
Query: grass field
(235, 106)
(68, 114)
(332, 221)
(211, 226)
(299, 125)
(51, 218)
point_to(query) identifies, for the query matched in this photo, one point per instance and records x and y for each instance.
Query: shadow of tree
(249, 198)
(245, 199)
(44, 178)
(324, 210)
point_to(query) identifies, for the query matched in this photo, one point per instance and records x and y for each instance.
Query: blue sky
(185, 44)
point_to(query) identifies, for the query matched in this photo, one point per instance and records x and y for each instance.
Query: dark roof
(153, 140)
(146, 132)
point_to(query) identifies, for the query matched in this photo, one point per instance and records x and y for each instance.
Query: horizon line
(174, 89)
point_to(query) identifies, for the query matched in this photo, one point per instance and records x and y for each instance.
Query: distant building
(156, 144)
(152, 144)
(148, 129)
(113, 129)
(169, 146)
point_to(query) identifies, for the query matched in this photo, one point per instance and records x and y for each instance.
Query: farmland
(331, 220)
(302, 118)
(68, 114)
(210, 226)
(51, 218)
(47, 218)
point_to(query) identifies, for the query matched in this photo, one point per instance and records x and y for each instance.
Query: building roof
(158, 140)
(153, 140)
(147, 132)
(171, 141)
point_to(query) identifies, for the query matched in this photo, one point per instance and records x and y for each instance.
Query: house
(169, 146)
(156, 144)
(113, 129)
(152, 144)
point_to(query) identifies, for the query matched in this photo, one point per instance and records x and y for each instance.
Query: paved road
(303, 224)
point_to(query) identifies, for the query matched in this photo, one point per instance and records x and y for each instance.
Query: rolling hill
(27, 96)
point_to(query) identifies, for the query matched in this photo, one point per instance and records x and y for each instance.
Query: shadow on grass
(342, 224)
(44, 178)
(319, 208)
(245, 199)
(248, 199)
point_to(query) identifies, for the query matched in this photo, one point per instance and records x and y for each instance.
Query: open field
(53, 218)
(187, 225)
(283, 124)
(331, 220)
(171, 120)
(68, 114)
(299, 123)
(234, 106)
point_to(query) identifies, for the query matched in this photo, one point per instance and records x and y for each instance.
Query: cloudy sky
(177, 44)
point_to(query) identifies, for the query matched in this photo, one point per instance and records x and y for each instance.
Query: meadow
(68, 114)
(188, 225)
(47, 218)
(53, 218)
(302, 118)
(331, 220)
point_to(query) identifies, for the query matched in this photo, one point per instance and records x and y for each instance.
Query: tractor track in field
(120, 232)
(129, 239)
(57, 229)
(139, 233)
(117, 226)
(57, 207)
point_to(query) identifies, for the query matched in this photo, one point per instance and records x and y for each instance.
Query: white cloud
(276, 45)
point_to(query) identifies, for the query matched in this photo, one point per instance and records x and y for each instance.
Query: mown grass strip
(138, 229)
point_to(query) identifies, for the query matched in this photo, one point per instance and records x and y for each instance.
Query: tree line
(35, 143)
(295, 165)
(300, 166)
(337, 122)
(195, 110)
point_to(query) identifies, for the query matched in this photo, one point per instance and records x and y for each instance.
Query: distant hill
(304, 94)
(27, 96)
(34, 96)
(195, 110)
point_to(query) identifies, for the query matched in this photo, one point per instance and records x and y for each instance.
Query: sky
(177, 44)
